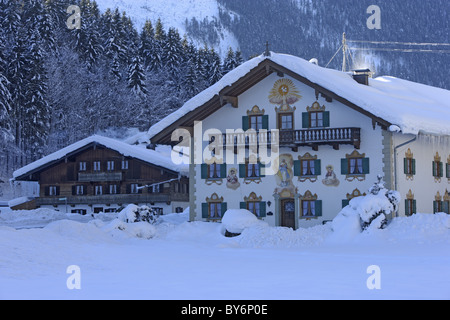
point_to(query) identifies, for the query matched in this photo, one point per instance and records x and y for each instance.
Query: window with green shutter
(316, 117)
(214, 208)
(255, 205)
(355, 166)
(410, 207)
(310, 206)
(307, 167)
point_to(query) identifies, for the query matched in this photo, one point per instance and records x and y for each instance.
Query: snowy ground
(194, 261)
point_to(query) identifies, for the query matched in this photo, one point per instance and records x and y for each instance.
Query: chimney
(362, 76)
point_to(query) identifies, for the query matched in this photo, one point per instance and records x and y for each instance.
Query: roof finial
(267, 53)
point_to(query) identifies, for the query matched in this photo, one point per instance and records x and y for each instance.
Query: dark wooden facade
(96, 175)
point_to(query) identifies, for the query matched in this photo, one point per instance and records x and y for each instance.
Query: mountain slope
(175, 13)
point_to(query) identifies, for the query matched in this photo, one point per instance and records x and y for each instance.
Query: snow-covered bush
(367, 212)
(235, 221)
(133, 213)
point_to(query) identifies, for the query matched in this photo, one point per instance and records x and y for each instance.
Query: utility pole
(344, 49)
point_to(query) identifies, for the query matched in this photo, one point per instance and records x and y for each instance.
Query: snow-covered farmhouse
(294, 142)
(100, 174)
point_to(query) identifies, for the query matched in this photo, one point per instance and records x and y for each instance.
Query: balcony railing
(114, 199)
(100, 177)
(291, 138)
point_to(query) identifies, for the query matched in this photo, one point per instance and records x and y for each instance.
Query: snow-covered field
(194, 261)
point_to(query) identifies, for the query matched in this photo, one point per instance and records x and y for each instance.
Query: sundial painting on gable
(284, 93)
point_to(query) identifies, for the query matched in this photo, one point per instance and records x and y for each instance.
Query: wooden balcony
(292, 138)
(100, 177)
(113, 199)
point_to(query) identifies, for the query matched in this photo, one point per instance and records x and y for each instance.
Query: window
(214, 208)
(79, 190)
(134, 188)
(252, 170)
(53, 191)
(286, 121)
(256, 122)
(307, 167)
(214, 171)
(309, 205)
(438, 168)
(355, 166)
(355, 194)
(113, 189)
(82, 166)
(316, 117)
(308, 208)
(316, 120)
(410, 204)
(255, 205)
(110, 165)
(97, 166)
(98, 190)
(124, 164)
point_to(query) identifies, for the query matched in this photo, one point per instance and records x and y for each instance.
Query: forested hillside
(59, 84)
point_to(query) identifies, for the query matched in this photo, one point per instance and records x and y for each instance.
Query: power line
(399, 50)
(401, 43)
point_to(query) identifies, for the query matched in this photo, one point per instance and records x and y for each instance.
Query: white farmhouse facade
(321, 138)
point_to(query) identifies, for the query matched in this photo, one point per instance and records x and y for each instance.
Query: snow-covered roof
(127, 150)
(413, 107)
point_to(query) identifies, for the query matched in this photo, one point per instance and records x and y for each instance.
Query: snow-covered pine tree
(214, 67)
(136, 77)
(173, 51)
(229, 62)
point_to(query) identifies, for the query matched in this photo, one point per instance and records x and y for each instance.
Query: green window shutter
(265, 122)
(448, 170)
(205, 209)
(318, 208)
(445, 207)
(242, 169)
(318, 167)
(441, 169)
(261, 169)
(413, 166)
(245, 123)
(435, 207)
(434, 169)
(406, 207)
(224, 208)
(223, 170)
(366, 166)
(243, 205)
(326, 119)
(345, 203)
(204, 171)
(297, 168)
(262, 209)
(414, 206)
(344, 166)
(405, 165)
(305, 120)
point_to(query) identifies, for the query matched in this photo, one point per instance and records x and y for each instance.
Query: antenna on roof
(344, 49)
(267, 53)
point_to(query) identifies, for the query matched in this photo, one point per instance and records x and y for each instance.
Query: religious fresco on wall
(284, 93)
(285, 173)
(331, 179)
(232, 179)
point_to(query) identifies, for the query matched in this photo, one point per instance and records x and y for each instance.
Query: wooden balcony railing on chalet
(114, 199)
(100, 177)
(291, 138)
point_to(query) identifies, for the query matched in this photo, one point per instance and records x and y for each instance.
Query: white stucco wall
(340, 116)
(423, 185)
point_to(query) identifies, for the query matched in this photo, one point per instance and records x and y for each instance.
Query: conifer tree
(136, 77)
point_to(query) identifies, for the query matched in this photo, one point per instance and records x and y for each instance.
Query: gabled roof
(413, 107)
(149, 156)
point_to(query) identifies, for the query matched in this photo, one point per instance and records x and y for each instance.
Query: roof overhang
(230, 94)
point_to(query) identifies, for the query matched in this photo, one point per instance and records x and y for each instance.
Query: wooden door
(288, 213)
